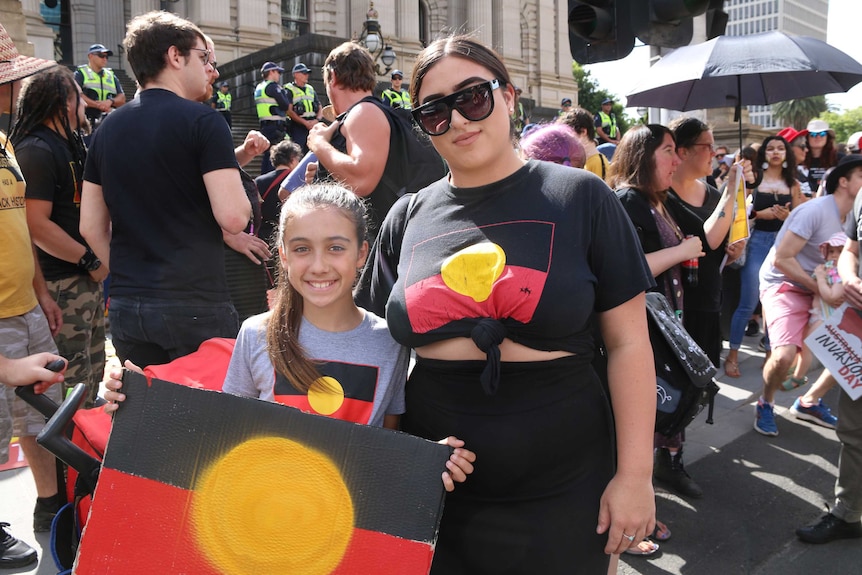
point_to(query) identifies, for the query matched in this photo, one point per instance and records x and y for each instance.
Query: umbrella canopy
(760, 69)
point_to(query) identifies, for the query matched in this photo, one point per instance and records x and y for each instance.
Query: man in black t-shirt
(154, 206)
(51, 155)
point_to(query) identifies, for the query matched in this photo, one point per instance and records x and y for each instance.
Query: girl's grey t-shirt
(369, 346)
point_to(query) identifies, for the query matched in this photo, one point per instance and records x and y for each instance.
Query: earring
(765, 165)
(784, 164)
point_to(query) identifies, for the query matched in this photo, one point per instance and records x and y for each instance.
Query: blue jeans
(749, 289)
(151, 331)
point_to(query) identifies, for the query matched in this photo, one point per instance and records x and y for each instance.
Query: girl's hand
(820, 271)
(460, 463)
(626, 512)
(781, 212)
(113, 384)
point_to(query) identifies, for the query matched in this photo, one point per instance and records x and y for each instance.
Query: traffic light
(600, 30)
(716, 19)
(667, 22)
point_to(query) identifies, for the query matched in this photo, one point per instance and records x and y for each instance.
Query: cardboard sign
(739, 229)
(200, 482)
(837, 343)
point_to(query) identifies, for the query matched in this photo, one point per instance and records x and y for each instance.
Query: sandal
(660, 532)
(793, 382)
(643, 548)
(731, 368)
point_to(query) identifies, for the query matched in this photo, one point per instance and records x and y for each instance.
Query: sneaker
(818, 414)
(829, 529)
(752, 329)
(13, 552)
(764, 423)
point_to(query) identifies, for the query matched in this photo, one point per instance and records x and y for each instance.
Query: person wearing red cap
(29, 316)
(798, 141)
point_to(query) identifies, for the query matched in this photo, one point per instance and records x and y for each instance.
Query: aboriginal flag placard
(201, 482)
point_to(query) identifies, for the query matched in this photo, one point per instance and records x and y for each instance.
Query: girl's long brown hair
(282, 332)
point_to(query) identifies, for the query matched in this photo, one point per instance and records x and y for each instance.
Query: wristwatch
(89, 261)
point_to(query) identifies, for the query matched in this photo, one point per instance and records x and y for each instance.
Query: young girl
(316, 350)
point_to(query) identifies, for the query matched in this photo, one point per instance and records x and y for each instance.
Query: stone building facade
(531, 35)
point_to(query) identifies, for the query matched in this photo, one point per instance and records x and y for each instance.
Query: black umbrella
(735, 71)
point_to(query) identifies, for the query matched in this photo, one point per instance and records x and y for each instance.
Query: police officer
(606, 124)
(305, 110)
(101, 88)
(395, 96)
(272, 104)
(222, 100)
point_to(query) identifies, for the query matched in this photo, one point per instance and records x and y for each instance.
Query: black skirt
(544, 456)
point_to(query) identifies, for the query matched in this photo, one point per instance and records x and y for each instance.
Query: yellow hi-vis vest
(264, 104)
(103, 86)
(397, 99)
(303, 100)
(609, 120)
(224, 101)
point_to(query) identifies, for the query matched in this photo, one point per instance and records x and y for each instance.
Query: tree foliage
(798, 113)
(590, 96)
(844, 124)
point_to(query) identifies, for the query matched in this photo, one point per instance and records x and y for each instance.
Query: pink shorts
(786, 310)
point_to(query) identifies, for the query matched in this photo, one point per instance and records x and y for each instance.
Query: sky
(621, 76)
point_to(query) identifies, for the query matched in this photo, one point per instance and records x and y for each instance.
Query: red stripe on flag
(382, 554)
(139, 525)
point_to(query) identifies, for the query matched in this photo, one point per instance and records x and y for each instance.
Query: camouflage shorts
(82, 338)
(21, 336)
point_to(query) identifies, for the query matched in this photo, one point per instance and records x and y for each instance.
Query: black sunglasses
(474, 103)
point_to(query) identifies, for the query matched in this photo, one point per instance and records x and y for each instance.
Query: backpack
(684, 374)
(420, 164)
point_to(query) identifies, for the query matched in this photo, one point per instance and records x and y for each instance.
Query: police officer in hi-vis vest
(305, 110)
(606, 124)
(222, 101)
(272, 104)
(101, 88)
(395, 96)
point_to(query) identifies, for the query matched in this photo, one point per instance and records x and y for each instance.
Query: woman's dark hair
(579, 120)
(788, 171)
(150, 35)
(828, 155)
(282, 332)
(687, 131)
(284, 153)
(634, 160)
(460, 46)
(44, 97)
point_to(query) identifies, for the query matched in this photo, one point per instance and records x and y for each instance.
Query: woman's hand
(691, 248)
(734, 251)
(781, 212)
(113, 384)
(460, 463)
(626, 512)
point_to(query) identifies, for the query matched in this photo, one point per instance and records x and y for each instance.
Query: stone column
(480, 20)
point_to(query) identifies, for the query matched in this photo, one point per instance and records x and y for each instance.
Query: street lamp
(372, 38)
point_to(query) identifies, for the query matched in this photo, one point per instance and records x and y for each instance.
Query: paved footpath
(757, 491)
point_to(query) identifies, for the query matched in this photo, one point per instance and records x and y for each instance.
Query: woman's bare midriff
(463, 348)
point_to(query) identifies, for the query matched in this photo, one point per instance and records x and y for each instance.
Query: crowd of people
(474, 274)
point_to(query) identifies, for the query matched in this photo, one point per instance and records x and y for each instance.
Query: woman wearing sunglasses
(496, 276)
(821, 154)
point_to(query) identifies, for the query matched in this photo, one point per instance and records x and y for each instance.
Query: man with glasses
(102, 90)
(161, 183)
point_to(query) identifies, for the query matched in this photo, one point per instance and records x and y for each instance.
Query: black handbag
(684, 373)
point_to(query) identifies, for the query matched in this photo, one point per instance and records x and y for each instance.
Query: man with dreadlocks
(28, 315)
(47, 139)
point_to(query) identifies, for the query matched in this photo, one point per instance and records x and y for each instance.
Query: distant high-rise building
(797, 17)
